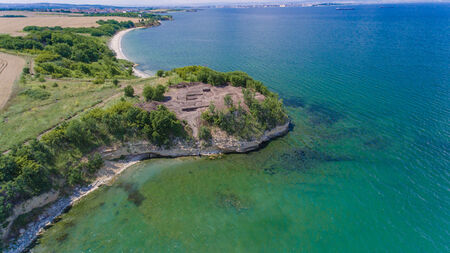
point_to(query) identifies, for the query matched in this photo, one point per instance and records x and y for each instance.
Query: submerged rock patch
(62, 237)
(294, 102)
(229, 200)
(134, 195)
(323, 115)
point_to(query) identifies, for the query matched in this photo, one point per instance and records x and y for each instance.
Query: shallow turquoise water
(364, 169)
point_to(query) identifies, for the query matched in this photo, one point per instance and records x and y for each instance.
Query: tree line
(64, 52)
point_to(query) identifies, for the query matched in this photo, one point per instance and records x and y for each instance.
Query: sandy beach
(115, 44)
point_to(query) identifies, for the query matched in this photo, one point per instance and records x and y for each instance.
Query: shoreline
(112, 169)
(62, 205)
(115, 44)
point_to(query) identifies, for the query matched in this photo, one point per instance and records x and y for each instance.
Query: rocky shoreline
(135, 152)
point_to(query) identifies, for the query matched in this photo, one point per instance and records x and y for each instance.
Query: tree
(62, 49)
(158, 94)
(160, 73)
(8, 168)
(164, 124)
(129, 91)
(148, 92)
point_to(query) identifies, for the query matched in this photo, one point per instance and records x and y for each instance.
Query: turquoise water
(365, 168)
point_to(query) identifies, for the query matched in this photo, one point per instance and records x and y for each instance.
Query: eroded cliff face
(220, 144)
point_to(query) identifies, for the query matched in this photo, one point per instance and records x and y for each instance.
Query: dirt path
(10, 68)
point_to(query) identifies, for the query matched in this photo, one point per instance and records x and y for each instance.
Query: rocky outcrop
(220, 144)
(133, 152)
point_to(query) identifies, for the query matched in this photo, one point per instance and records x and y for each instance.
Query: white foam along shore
(115, 44)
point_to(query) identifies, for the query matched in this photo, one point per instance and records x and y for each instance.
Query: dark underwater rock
(323, 115)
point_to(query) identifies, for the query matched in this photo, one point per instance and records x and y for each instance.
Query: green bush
(99, 80)
(207, 75)
(228, 100)
(155, 94)
(36, 93)
(116, 82)
(129, 91)
(148, 92)
(47, 56)
(95, 163)
(158, 94)
(26, 70)
(160, 73)
(204, 133)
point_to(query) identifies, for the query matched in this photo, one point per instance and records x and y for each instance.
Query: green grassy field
(27, 117)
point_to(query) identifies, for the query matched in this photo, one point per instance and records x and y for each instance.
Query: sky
(195, 2)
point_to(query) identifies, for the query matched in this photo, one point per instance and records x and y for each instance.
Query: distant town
(91, 9)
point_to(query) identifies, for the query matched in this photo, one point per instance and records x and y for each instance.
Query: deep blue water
(366, 167)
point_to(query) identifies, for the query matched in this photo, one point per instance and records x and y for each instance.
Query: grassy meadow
(38, 106)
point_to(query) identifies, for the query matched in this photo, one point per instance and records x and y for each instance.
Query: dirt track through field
(10, 68)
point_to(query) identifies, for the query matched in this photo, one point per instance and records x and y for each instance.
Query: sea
(365, 168)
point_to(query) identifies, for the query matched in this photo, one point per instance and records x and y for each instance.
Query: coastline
(62, 205)
(112, 168)
(56, 205)
(115, 44)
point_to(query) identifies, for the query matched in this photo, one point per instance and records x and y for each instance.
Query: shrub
(158, 94)
(116, 82)
(95, 163)
(238, 78)
(41, 79)
(155, 94)
(129, 91)
(47, 56)
(55, 84)
(148, 92)
(26, 70)
(99, 80)
(228, 100)
(74, 175)
(160, 73)
(204, 133)
(36, 93)
(164, 125)
(62, 49)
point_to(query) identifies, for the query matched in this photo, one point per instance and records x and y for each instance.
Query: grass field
(27, 116)
(15, 26)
